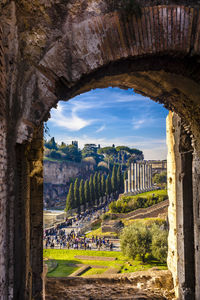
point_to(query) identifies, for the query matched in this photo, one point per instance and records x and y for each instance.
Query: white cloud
(70, 119)
(101, 128)
(137, 124)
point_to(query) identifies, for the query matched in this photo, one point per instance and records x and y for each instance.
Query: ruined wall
(181, 224)
(57, 179)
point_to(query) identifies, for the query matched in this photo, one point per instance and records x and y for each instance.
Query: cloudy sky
(112, 116)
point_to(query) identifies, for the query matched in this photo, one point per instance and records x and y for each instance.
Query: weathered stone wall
(57, 176)
(181, 223)
(53, 50)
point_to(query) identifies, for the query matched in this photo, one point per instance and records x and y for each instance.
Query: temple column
(132, 178)
(129, 179)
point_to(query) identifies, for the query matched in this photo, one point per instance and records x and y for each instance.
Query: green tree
(159, 243)
(90, 150)
(87, 192)
(108, 185)
(92, 194)
(70, 198)
(136, 240)
(95, 184)
(120, 180)
(99, 187)
(114, 179)
(51, 144)
(76, 194)
(81, 193)
(103, 185)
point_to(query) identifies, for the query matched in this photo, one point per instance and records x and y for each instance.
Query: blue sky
(112, 116)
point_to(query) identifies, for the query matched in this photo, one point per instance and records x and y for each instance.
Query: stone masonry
(52, 50)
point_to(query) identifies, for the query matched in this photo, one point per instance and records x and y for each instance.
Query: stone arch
(52, 51)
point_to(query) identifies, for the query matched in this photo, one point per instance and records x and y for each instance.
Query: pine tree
(120, 181)
(95, 184)
(81, 193)
(114, 179)
(103, 185)
(87, 192)
(92, 194)
(70, 198)
(108, 185)
(76, 194)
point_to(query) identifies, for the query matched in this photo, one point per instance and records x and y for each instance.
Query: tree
(90, 150)
(159, 243)
(92, 194)
(70, 198)
(108, 185)
(81, 193)
(136, 240)
(76, 194)
(51, 144)
(114, 179)
(120, 181)
(95, 184)
(109, 151)
(103, 185)
(87, 192)
(99, 187)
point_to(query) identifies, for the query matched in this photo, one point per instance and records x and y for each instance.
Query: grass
(145, 221)
(98, 232)
(156, 193)
(93, 271)
(66, 258)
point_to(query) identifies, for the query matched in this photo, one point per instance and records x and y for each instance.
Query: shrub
(135, 240)
(141, 238)
(159, 243)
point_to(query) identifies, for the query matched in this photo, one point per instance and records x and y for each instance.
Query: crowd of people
(58, 238)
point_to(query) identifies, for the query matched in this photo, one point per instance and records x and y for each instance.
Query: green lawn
(66, 258)
(93, 271)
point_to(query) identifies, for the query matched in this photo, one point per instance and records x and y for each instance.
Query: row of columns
(139, 178)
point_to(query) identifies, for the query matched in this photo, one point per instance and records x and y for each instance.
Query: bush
(135, 240)
(140, 238)
(159, 243)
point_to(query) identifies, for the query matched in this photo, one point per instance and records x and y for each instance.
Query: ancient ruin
(52, 50)
(139, 178)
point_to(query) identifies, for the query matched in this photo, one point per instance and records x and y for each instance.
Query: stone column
(144, 175)
(135, 177)
(132, 177)
(180, 213)
(126, 186)
(141, 176)
(129, 179)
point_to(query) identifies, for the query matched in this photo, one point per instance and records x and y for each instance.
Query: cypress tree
(125, 175)
(95, 184)
(114, 179)
(76, 194)
(120, 181)
(87, 192)
(108, 185)
(103, 185)
(91, 187)
(70, 198)
(99, 186)
(81, 193)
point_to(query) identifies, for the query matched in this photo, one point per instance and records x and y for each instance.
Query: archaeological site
(57, 49)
